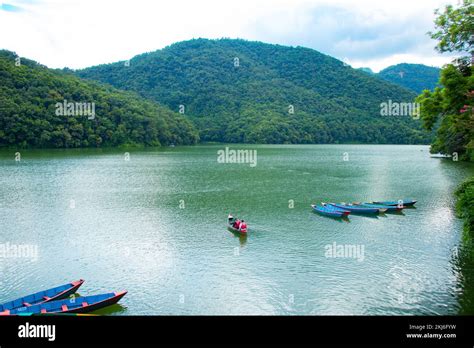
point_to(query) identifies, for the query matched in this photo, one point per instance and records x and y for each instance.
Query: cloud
(363, 34)
(88, 32)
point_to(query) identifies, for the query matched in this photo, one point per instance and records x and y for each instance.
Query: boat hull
(53, 294)
(83, 304)
(236, 230)
(404, 203)
(330, 211)
(384, 207)
(355, 209)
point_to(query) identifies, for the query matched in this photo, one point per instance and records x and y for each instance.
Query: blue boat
(83, 304)
(330, 211)
(401, 202)
(44, 296)
(356, 209)
(379, 206)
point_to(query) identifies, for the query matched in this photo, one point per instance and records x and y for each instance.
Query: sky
(82, 33)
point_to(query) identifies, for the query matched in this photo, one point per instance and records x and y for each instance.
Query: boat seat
(43, 310)
(64, 308)
(84, 304)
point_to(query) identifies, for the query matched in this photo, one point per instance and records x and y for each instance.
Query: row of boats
(376, 207)
(344, 209)
(60, 300)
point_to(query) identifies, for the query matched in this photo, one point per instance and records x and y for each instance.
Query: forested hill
(241, 91)
(32, 113)
(416, 77)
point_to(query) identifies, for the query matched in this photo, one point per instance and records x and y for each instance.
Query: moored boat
(330, 210)
(53, 294)
(356, 209)
(379, 206)
(401, 202)
(83, 304)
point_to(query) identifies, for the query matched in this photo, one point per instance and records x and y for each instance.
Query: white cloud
(89, 32)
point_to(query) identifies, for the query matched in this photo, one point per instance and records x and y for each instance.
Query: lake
(152, 221)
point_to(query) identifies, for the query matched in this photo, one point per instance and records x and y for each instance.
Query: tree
(451, 106)
(455, 29)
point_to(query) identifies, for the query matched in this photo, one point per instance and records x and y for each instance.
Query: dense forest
(30, 96)
(241, 91)
(416, 77)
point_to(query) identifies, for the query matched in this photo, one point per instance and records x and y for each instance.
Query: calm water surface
(155, 226)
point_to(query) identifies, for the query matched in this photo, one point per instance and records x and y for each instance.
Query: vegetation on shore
(451, 106)
(465, 204)
(31, 96)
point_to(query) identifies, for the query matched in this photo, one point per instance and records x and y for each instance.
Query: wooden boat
(330, 210)
(357, 209)
(236, 230)
(379, 206)
(83, 304)
(44, 296)
(402, 202)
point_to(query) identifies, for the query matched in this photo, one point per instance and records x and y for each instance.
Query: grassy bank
(465, 205)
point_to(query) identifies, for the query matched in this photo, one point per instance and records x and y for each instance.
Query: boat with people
(356, 209)
(236, 225)
(329, 210)
(84, 304)
(44, 296)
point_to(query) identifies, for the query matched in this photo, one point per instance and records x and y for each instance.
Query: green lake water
(155, 226)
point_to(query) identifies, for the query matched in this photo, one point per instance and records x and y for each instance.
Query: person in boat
(230, 219)
(237, 224)
(243, 226)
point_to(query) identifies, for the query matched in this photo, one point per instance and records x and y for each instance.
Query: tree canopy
(30, 93)
(452, 105)
(241, 91)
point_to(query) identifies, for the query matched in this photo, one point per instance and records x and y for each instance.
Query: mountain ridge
(416, 77)
(242, 91)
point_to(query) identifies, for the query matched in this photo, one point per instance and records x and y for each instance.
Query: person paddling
(243, 226)
(237, 224)
(230, 219)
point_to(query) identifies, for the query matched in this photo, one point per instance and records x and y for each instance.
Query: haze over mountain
(241, 91)
(29, 117)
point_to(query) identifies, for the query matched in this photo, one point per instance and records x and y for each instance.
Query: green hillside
(416, 77)
(30, 95)
(241, 91)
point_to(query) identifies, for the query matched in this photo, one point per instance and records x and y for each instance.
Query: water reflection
(115, 309)
(242, 237)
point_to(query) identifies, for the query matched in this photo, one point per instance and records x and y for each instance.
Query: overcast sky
(77, 34)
